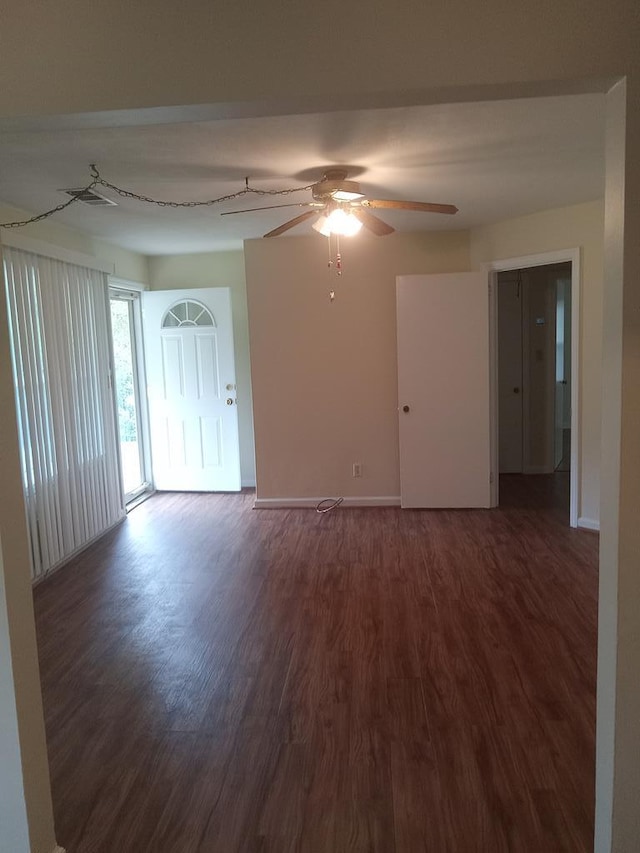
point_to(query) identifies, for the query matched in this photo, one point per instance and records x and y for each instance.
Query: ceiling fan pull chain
(338, 256)
(332, 293)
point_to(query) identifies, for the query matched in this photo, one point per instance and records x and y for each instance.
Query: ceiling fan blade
(372, 223)
(273, 206)
(425, 206)
(291, 223)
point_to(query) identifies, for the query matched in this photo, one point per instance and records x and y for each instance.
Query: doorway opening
(535, 363)
(130, 402)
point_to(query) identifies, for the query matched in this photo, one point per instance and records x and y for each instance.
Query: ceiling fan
(342, 208)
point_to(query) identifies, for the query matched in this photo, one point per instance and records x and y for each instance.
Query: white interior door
(191, 389)
(443, 386)
(510, 384)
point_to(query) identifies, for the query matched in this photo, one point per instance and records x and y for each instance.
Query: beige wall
(566, 228)
(128, 265)
(219, 269)
(345, 365)
(324, 373)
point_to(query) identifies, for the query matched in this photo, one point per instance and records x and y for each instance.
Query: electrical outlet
(357, 469)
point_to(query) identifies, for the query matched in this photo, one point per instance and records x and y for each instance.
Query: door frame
(135, 290)
(538, 260)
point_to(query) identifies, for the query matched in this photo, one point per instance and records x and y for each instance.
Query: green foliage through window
(123, 364)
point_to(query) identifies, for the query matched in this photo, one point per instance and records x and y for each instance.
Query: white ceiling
(493, 160)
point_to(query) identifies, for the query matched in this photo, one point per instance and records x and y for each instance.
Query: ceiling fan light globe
(353, 226)
(322, 225)
(343, 223)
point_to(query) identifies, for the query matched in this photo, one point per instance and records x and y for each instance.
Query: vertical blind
(58, 316)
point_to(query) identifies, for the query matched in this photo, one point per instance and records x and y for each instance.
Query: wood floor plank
(220, 680)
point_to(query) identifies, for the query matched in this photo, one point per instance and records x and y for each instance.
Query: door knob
(405, 408)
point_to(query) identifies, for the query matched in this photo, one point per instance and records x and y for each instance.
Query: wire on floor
(328, 504)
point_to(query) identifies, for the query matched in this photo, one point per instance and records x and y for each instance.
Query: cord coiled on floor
(331, 503)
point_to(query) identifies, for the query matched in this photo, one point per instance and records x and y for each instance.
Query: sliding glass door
(130, 402)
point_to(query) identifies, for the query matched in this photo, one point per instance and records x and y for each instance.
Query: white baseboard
(589, 524)
(302, 503)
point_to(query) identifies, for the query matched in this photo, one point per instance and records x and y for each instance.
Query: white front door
(191, 389)
(443, 386)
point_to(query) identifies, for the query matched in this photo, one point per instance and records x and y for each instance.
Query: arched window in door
(187, 313)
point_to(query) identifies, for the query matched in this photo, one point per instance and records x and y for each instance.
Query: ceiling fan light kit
(333, 195)
(338, 221)
(342, 210)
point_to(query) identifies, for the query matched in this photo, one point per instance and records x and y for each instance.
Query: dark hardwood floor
(220, 679)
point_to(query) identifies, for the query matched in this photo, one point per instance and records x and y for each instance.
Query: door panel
(191, 387)
(211, 442)
(510, 380)
(443, 379)
(173, 380)
(208, 377)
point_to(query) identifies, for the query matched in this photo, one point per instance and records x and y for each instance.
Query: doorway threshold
(139, 499)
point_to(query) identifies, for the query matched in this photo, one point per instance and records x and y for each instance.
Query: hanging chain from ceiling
(98, 180)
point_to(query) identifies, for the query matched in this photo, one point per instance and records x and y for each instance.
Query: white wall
(325, 373)
(219, 269)
(128, 265)
(566, 228)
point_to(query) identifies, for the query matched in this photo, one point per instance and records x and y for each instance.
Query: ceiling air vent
(90, 197)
